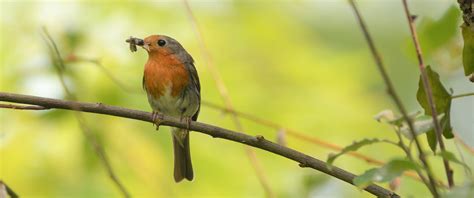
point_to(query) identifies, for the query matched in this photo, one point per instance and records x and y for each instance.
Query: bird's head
(160, 45)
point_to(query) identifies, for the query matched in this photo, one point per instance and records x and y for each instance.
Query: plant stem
(429, 93)
(462, 95)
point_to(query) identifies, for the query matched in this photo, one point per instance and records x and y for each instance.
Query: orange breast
(161, 72)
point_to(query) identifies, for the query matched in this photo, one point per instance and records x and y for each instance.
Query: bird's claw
(188, 121)
(157, 119)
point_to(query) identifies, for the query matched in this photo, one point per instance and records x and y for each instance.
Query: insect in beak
(141, 43)
(136, 41)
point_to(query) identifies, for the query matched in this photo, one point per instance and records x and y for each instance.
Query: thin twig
(22, 107)
(462, 95)
(407, 150)
(6, 190)
(224, 93)
(214, 131)
(396, 99)
(72, 58)
(429, 93)
(98, 148)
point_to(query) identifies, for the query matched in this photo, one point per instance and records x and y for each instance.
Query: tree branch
(428, 92)
(214, 131)
(462, 95)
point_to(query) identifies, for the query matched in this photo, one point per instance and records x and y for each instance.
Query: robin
(172, 86)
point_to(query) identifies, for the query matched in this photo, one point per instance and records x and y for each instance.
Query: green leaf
(353, 147)
(366, 178)
(386, 173)
(441, 97)
(435, 33)
(447, 132)
(442, 100)
(468, 50)
(431, 137)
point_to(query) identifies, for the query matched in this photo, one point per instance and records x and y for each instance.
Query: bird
(172, 85)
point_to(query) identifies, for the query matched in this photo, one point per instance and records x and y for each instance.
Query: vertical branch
(428, 92)
(99, 150)
(226, 98)
(391, 91)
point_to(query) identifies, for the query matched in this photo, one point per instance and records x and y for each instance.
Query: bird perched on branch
(172, 86)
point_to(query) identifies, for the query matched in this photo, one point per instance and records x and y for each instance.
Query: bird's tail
(183, 169)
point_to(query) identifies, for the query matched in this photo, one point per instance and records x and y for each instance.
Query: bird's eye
(161, 42)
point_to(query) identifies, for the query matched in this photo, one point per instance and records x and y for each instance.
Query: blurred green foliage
(303, 64)
(436, 33)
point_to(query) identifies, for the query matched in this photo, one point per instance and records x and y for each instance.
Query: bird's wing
(196, 85)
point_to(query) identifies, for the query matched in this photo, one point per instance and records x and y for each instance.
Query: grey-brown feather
(183, 168)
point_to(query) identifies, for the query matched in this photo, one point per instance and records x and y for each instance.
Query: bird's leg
(188, 124)
(157, 119)
(188, 121)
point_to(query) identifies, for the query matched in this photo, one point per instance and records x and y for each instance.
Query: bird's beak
(146, 46)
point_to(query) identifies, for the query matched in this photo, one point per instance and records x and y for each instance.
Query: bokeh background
(302, 64)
